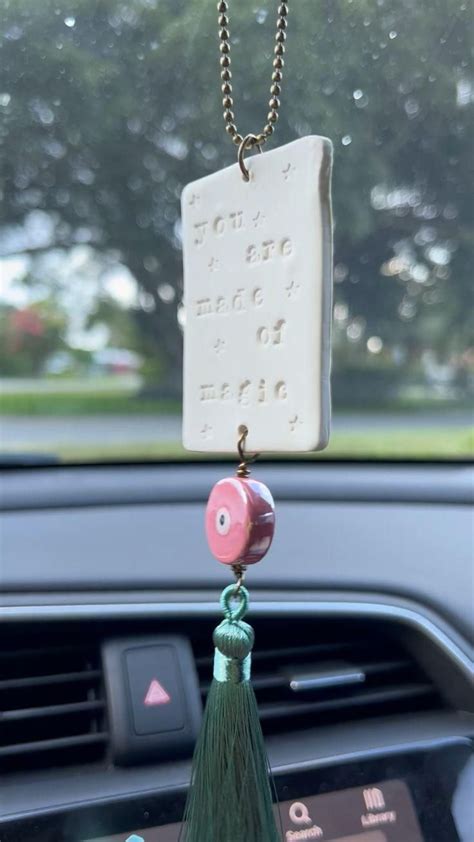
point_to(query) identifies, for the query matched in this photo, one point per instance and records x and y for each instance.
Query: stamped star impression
(219, 346)
(293, 288)
(288, 171)
(294, 422)
(258, 219)
(206, 432)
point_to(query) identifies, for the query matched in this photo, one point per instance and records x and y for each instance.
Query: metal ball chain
(226, 76)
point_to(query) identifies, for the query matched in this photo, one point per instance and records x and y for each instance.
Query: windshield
(109, 108)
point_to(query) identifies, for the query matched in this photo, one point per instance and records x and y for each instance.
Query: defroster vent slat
(52, 706)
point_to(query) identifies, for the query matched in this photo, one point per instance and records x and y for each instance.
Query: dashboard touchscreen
(380, 812)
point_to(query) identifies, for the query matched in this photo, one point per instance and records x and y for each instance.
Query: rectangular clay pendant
(258, 302)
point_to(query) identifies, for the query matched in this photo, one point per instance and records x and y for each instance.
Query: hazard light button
(153, 697)
(156, 689)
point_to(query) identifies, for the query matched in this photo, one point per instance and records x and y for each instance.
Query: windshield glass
(108, 108)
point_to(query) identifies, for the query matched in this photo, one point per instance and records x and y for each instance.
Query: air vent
(306, 672)
(352, 673)
(52, 709)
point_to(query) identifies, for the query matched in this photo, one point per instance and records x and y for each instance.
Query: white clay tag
(258, 302)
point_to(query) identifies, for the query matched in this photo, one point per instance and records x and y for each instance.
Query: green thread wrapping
(231, 669)
(233, 639)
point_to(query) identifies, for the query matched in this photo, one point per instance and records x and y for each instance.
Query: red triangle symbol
(156, 694)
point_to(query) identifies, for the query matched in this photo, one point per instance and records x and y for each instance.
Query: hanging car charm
(257, 245)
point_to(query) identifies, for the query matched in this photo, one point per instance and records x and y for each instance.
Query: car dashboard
(362, 665)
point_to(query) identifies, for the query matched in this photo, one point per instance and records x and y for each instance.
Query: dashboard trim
(63, 805)
(373, 754)
(429, 626)
(85, 486)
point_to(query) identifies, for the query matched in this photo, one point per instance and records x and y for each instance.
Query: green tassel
(230, 799)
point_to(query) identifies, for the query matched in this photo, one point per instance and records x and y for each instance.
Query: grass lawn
(437, 443)
(91, 402)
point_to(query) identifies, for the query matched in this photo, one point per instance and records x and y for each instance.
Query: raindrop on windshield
(42, 112)
(411, 107)
(374, 344)
(360, 99)
(14, 33)
(166, 293)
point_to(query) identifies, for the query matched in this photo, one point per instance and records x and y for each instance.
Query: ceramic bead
(240, 520)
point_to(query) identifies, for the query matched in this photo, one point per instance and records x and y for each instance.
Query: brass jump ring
(239, 571)
(247, 143)
(246, 459)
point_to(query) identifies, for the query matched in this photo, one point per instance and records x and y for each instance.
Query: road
(17, 432)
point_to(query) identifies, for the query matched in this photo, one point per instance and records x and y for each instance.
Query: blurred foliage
(27, 337)
(110, 108)
(121, 328)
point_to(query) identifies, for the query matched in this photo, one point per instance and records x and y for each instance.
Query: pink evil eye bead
(240, 520)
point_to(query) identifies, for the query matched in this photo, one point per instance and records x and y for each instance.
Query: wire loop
(243, 471)
(246, 459)
(245, 145)
(239, 572)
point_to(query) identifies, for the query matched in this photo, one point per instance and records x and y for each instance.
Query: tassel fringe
(230, 799)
